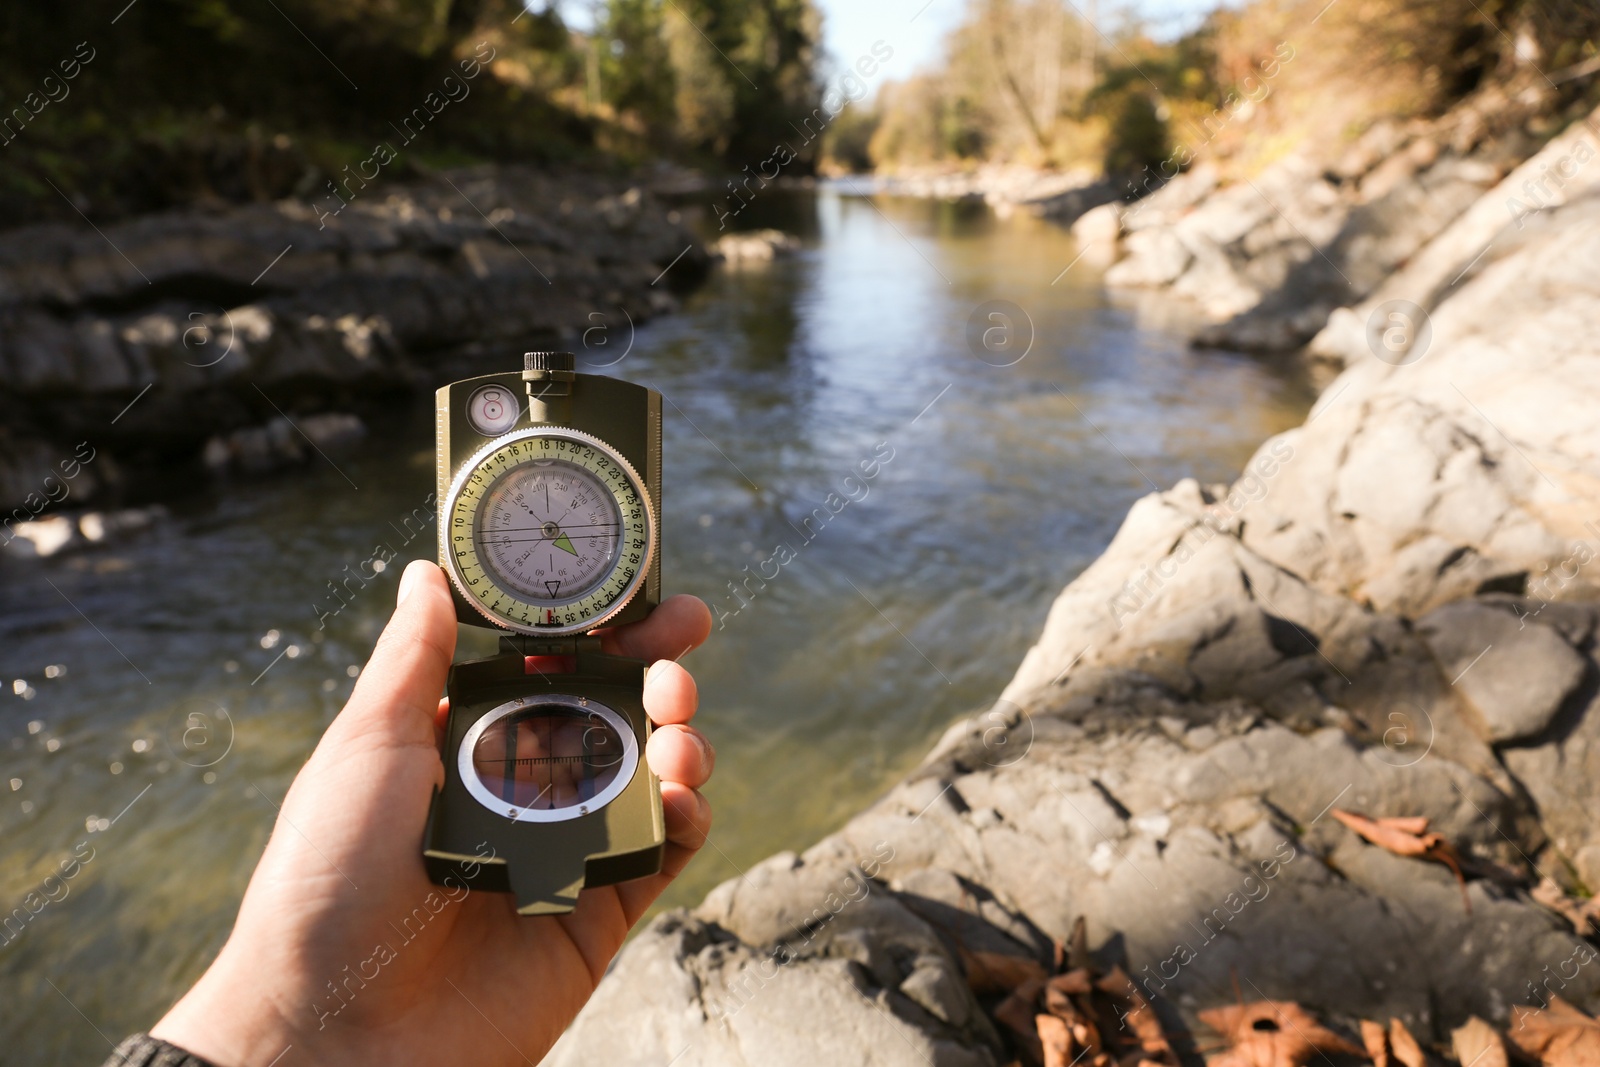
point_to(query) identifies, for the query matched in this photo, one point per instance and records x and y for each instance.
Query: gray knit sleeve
(142, 1050)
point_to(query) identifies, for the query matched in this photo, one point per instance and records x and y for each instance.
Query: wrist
(227, 1019)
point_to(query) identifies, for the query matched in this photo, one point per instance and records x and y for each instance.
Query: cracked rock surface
(1392, 611)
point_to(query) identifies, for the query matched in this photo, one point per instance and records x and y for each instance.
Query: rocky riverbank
(1060, 195)
(145, 340)
(1393, 611)
(1269, 258)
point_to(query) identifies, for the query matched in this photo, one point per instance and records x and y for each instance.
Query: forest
(181, 101)
(1033, 82)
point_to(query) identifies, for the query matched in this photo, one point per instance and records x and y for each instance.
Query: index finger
(676, 627)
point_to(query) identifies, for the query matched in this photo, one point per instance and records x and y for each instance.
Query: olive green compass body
(549, 489)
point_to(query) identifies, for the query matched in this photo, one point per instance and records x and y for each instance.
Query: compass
(550, 531)
(550, 482)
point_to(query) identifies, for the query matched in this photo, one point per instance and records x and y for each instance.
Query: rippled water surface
(911, 605)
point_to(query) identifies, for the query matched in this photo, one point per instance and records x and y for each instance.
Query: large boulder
(1391, 612)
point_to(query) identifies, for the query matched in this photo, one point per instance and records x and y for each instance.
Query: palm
(358, 956)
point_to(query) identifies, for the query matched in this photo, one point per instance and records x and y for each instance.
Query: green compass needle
(564, 543)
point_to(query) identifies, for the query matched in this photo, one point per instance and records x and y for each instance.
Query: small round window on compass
(549, 531)
(493, 409)
(548, 758)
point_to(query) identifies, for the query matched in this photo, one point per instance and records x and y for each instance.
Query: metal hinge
(534, 645)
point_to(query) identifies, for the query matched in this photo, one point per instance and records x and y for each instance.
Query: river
(910, 606)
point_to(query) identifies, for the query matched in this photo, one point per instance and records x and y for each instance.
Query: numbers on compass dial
(549, 530)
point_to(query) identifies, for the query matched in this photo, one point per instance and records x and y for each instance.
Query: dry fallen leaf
(998, 972)
(1376, 1039)
(1407, 836)
(1017, 1014)
(1140, 1019)
(1580, 913)
(1082, 1017)
(1057, 1041)
(1404, 1046)
(1078, 982)
(1271, 1033)
(1076, 950)
(1477, 1044)
(1558, 1036)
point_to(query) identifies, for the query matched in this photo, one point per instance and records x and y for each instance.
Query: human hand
(322, 961)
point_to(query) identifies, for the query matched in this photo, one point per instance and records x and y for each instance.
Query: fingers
(670, 694)
(680, 754)
(688, 816)
(398, 691)
(688, 819)
(678, 625)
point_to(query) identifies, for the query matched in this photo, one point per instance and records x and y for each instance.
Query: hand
(323, 960)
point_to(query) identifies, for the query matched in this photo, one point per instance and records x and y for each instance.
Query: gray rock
(1514, 675)
(1098, 230)
(1276, 258)
(385, 296)
(68, 532)
(1155, 257)
(759, 246)
(283, 442)
(1240, 660)
(1459, 251)
(872, 984)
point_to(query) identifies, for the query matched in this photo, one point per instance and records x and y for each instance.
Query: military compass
(550, 489)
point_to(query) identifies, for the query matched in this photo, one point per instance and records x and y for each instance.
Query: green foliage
(1138, 138)
(235, 99)
(721, 79)
(847, 144)
(189, 100)
(636, 68)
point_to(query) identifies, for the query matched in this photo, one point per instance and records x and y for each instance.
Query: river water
(994, 486)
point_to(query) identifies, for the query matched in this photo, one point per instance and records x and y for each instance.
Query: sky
(914, 29)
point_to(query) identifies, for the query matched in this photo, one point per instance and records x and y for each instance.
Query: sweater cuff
(142, 1050)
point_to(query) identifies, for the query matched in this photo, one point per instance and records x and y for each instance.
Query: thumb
(398, 693)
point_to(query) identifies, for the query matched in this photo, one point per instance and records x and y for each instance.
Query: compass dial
(550, 531)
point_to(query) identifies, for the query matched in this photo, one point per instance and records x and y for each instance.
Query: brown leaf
(1138, 1018)
(1477, 1044)
(1272, 1033)
(1404, 1046)
(1056, 1039)
(1061, 1005)
(1017, 1012)
(1079, 981)
(1558, 1036)
(1376, 1038)
(1580, 913)
(1078, 945)
(1400, 842)
(998, 972)
(1060, 992)
(1407, 836)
